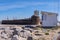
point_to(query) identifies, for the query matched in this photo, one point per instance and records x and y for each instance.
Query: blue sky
(25, 8)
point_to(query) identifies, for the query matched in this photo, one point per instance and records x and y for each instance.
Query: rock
(15, 37)
(29, 38)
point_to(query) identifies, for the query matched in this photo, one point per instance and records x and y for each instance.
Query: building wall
(34, 20)
(49, 19)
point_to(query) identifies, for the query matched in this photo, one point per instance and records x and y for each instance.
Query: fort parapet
(34, 20)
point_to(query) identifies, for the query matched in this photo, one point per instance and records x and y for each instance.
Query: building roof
(43, 12)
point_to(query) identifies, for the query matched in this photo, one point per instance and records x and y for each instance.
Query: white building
(49, 19)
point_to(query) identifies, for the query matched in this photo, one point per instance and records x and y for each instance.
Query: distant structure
(49, 19)
(34, 20)
(36, 13)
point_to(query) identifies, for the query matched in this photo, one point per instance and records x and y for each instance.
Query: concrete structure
(34, 20)
(49, 19)
(36, 13)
